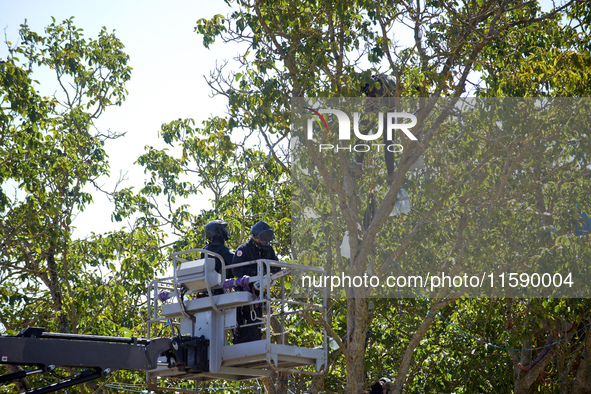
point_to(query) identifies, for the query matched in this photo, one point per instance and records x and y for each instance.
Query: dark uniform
(217, 245)
(250, 251)
(216, 233)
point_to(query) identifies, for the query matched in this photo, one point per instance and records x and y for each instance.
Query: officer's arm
(218, 265)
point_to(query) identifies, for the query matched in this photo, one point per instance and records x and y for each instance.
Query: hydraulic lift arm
(101, 354)
(200, 351)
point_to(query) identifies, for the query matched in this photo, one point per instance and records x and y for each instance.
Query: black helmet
(263, 232)
(384, 86)
(217, 228)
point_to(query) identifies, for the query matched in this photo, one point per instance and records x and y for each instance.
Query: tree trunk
(583, 378)
(282, 382)
(22, 385)
(268, 383)
(413, 344)
(357, 327)
(55, 289)
(526, 379)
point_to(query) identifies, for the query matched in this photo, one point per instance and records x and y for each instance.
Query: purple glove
(228, 284)
(163, 296)
(243, 282)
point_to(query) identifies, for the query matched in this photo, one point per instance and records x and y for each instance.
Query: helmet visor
(266, 237)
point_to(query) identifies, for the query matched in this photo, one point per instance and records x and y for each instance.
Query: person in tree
(257, 248)
(382, 85)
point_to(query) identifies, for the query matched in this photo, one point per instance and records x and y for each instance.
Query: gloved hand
(228, 284)
(242, 282)
(163, 296)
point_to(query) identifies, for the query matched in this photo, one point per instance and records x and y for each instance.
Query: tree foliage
(51, 155)
(243, 183)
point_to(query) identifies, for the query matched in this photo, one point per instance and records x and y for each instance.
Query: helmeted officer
(257, 248)
(216, 233)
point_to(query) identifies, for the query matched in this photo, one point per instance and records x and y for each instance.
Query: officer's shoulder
(243, 245)
(243, 248)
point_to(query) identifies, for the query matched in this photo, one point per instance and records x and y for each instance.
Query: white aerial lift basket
(197, 275)
(202, 316)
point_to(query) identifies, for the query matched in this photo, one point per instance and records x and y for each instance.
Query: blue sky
(167, 82)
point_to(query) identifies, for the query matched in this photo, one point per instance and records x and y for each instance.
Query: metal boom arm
(34, 346)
